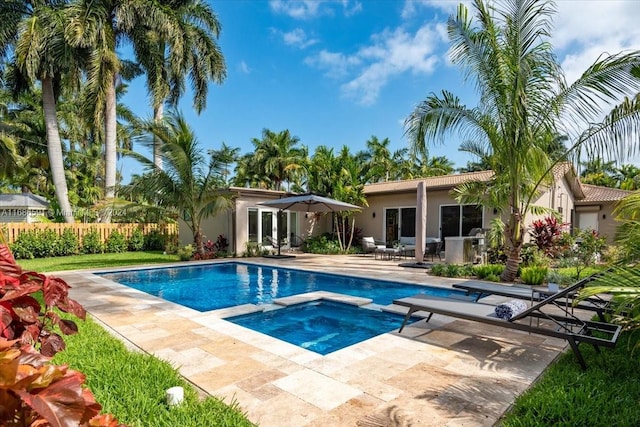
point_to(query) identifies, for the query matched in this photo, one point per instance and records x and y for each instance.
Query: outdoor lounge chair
(561, 324)
(370, 245)
(597, 303)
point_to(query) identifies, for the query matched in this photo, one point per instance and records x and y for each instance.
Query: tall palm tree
(380, 160)
(277, 157)
(185, 47)
(101, 26)
(42, 54)
(628, 177)
(186, 182)
(523, 99)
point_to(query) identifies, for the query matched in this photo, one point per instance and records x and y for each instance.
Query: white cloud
(411, 8)
(297, 38)
(584, 30)
(307, 9)
(390, 54)
(244, 68)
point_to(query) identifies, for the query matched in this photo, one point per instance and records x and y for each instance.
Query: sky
(337, 72)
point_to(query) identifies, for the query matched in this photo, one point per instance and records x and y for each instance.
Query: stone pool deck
(445, 373)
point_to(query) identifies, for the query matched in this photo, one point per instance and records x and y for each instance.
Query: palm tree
(277, 158)
(598, 172)
(42, 54)
(100, 26)
(628, 177)
(188, 47)
(226, 156)
(523, 99)
(186, 182)
(380, 159)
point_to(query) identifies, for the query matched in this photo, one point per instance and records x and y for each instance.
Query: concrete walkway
(444, 373)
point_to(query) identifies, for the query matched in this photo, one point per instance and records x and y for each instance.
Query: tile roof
(23, 200)
(434, 182)
(596, 193)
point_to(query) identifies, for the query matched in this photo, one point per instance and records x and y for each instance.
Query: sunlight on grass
(79, 262)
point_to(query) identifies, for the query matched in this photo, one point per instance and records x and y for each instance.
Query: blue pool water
(215, 286)
(321, 326)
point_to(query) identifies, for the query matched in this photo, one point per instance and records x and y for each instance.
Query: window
(400, 222)
(253, 225)
(458, 220)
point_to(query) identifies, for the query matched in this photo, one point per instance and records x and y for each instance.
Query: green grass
(79, 262)
(606, 394)
(132, 385)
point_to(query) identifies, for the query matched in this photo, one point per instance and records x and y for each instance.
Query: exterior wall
(21, 214)
(606, 220)
(211, 227)
(558, 197)
(374, 226)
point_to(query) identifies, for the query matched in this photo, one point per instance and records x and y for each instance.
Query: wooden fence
(12, 230)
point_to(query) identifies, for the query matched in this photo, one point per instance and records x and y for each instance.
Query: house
(392, 211)
(22, 207)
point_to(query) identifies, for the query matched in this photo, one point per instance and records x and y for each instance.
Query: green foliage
(185, 253)
(532, 256)
(68, 243)
(606, 394)
(438, 269)
(323, 245)
(533, 276)
(91, 243)
(41, 244)
(136, 241)
(116, 243)
(252, 249)
(485, 270)
(155, 240)
(492, 278)
(24, 246)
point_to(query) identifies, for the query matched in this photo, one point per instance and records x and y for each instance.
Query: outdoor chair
(597, 303)
(553, 318)
(370, 245)
(433, 248)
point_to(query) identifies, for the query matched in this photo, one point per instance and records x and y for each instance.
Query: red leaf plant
(37, 394)
(33, 392)
(22, 316)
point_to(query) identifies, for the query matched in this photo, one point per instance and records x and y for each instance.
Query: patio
(447, 372)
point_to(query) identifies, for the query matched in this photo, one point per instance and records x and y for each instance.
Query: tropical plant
(534, 275)
(185, 45)
(276, 158)
(545, 232)
(186, 182)
(627, 211)
(41, 53)
(524, 99)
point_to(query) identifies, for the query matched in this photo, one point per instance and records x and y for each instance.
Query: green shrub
(136, 241)
(485, 270)
(116, 243)
(46, 244)
(185, 253)
(533, 276)
(438, 269)
(155, 241)
(24, 246)
(492, 278)
(252, 249)
(322, 245)
(91, 243)
(453, 270)
(68, 243)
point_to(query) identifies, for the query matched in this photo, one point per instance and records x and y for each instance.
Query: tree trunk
(158, 112)
(54, 148)
(110, 141)
(514, 233)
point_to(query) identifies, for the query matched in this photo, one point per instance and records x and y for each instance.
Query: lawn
(78, 262)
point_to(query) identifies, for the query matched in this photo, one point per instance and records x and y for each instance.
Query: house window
(253, 225)
(458, 220)
(263, 223)
(400, 222)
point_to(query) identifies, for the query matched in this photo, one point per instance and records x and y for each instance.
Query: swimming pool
(214, 286)
(321, 326)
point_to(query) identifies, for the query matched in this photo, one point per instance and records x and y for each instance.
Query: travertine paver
(443, 373)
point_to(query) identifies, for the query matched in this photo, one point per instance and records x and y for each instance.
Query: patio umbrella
(308, 203)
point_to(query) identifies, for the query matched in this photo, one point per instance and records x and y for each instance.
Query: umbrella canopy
(309, 203)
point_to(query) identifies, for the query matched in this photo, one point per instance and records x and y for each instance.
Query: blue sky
(336, 72)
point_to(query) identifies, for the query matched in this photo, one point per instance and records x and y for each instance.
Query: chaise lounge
(553, 318)
(480, 289)
(370, 245)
